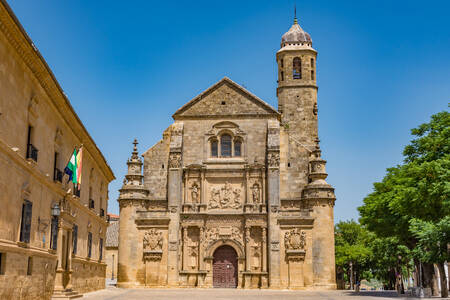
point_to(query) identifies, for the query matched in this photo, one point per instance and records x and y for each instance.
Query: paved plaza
(223, 294)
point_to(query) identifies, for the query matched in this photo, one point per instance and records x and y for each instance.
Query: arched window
(214, 146)
(225, 145)
(297, 68)
(237, 148)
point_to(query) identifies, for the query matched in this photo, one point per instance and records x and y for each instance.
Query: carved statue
(295, 239)
(153, 240)
(255, 193)
(195, 193)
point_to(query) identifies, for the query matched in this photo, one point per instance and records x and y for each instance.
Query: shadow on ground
(381, 294)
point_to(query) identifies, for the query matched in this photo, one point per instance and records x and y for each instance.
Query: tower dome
(296, 35)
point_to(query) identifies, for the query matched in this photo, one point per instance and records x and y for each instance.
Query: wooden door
(225, 267)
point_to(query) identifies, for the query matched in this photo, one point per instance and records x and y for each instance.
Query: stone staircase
(67, 294)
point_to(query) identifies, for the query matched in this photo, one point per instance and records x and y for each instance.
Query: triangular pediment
(225, 98)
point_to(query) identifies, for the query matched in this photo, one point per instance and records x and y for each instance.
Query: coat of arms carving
(153, 240)
(295, 239)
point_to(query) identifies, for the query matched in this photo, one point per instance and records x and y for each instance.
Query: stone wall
(31, 97)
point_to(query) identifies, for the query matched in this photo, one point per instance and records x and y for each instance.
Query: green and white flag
(71, 168)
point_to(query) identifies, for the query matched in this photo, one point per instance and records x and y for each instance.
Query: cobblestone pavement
(225, 294)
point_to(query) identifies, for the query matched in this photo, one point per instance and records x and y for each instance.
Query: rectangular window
(74, 239)
(54, 233)
(76, 191)
(281, 63)
(91, 203)
(312, 74)
(30, 266)
(25, 228)
(89, 244)
(312, 63)
(214, 146)
(32, 152)
(282, 76)
(2, 263)
(57, 173)
(100, 246)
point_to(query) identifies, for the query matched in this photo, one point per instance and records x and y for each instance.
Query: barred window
(214, 146)
(225, 145)
(237, 148)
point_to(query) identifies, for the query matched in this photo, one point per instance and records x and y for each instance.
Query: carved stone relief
(256, 194)
(295, 239)
(195, 193)
(174, 160)
(273, 159)
(153, 240)
(225, 197)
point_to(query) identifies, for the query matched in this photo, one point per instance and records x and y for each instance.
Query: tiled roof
(112, 234)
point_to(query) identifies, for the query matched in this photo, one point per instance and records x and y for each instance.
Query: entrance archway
(225, 267)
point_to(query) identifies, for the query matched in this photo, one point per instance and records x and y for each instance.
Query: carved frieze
(224, 232)
(225, 197)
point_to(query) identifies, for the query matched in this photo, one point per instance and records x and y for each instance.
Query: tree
(432, 246)
(352, 250)
(419, 189)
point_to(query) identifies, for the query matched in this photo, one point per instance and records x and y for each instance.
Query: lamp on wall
(56, 210)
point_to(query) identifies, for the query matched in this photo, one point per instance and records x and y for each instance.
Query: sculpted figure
(194, 193)
(255, 193)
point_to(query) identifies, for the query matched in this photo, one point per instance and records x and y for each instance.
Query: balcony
(32, 152)
(57, 175)
(91, 203)
(102, 212)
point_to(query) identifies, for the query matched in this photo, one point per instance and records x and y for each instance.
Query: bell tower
(297, 103)
(302, 170)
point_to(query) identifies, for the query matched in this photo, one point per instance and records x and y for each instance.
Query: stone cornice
(20, 41)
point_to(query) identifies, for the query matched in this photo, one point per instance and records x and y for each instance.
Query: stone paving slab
(226, 294)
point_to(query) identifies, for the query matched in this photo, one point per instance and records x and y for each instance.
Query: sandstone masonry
(234, 195)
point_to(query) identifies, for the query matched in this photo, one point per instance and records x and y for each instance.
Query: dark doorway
(225, 267)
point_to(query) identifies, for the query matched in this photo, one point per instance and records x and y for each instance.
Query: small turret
(133, 187)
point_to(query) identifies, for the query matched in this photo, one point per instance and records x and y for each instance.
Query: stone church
(234, 194)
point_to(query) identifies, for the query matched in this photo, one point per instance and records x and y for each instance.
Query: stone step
(66, 295)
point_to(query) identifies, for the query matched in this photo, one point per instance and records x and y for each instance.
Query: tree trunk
(444, 287)
(429, 278)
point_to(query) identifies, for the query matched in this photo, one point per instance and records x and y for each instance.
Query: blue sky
(126, 66)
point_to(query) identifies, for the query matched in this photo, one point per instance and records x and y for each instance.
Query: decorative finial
(295, 14)
(135, 145)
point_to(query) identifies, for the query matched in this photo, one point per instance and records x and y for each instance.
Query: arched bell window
(297, 68)
(225, 145)
(214, 148)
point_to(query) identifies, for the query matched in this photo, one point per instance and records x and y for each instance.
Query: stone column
(69, 258)
(273, 201)
(264, 249)
(247, 248)
(59, 276)
(184, 251)
(200, 248)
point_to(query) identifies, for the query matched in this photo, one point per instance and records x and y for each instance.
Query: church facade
(234, 194)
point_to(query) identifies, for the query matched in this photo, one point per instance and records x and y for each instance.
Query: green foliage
(352, 245)
(432, 238)
(409, 210)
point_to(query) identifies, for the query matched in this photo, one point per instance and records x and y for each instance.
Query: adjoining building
(234, 195)
(112, 249)
(51, 234)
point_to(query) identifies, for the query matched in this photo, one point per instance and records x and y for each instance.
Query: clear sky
(126, 66)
